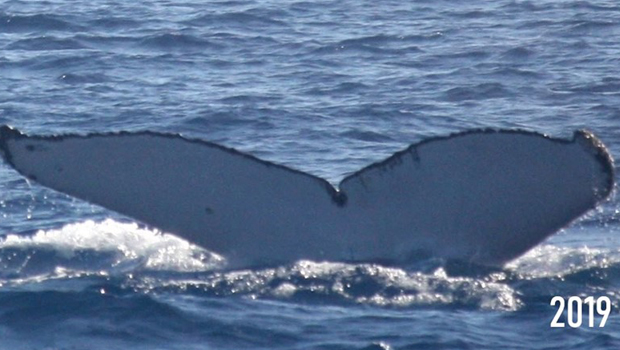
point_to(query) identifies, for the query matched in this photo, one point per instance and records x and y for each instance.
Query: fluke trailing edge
(485, 196)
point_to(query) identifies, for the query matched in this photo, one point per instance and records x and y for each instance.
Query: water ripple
(478, 92)
(46, 43)
(36, 23)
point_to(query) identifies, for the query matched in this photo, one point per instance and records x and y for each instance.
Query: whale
(483, 196)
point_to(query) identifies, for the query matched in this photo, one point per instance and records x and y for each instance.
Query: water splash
(91, 247)
(148, 261)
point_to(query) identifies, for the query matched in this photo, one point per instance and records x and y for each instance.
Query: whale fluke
(484, 196)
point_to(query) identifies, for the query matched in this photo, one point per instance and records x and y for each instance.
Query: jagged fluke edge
(595, 146)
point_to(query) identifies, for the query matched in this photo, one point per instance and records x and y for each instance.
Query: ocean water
(322, 86)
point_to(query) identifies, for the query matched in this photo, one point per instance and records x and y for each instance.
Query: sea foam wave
(149, 261)
(107, 245)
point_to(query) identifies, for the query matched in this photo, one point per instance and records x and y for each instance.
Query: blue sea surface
(325, 87)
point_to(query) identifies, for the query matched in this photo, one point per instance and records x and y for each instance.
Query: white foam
(364, 284)
(413, 288)
(152, 249)
(555, 261)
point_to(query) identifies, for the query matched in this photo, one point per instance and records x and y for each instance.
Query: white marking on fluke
(483, 196)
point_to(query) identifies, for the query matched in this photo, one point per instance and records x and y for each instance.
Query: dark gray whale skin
(341, 228)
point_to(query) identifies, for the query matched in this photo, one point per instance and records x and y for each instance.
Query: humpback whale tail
(485, 196)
